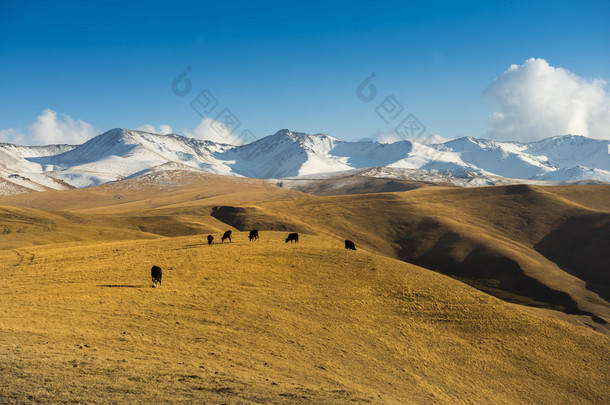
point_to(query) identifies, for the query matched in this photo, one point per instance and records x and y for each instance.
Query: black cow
(350, 245)
(210, 239)
(156, 274)
(253, 235)
(227, 235)
(293, 237)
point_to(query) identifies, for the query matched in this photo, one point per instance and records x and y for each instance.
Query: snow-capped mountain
(20, 174)
(120, 153)
(573, 151)
(285, 154)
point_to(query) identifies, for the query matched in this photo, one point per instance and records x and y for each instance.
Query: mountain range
(122, 154)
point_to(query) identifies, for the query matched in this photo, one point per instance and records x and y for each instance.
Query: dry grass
(544, 247)
(270, 322)
(524, 244)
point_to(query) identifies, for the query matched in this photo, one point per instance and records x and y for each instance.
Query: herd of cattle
(156, 272)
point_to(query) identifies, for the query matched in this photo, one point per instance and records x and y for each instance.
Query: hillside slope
(160, 188)
(539, 246)
(521, 243)
(269, 322)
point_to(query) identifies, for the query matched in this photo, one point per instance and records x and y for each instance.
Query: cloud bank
(212, 130)
(537, 100)
(162, 129)
(50, 129)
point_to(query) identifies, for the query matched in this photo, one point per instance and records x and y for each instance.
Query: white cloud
(537, 100)
(212, 130)
(162, 129)
(388, 138)
(11, 136)
(49, 129)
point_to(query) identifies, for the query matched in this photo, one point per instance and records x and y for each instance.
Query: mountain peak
(114, 134)
(286, 133)
(283, 132)
(568, 139)
(116, 131)
(300, 136)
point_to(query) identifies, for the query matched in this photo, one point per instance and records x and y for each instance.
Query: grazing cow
(156, 274)
(293, 237)
(253, 235)
(210, 239)
(227, 235)
(350, 245)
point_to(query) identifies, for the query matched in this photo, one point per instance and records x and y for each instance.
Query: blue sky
(297, 65)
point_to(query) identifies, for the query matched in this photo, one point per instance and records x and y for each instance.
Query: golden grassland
(539, 246)
(270, 322)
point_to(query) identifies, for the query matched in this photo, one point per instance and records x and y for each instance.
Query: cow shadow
(120, 286)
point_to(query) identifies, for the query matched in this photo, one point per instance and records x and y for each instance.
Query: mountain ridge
(122, 153)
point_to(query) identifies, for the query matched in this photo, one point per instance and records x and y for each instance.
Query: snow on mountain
(121, 154)
(18, 174)
(34, 151)
(286, 154)
(429, 157)
(573, 150)
(372, 153)
(15, 156)
(289, 154)
(576, 173)
(500, 158)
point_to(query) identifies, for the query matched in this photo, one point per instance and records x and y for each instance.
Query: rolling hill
(269, 322)
(520, 243)
(525, 244)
